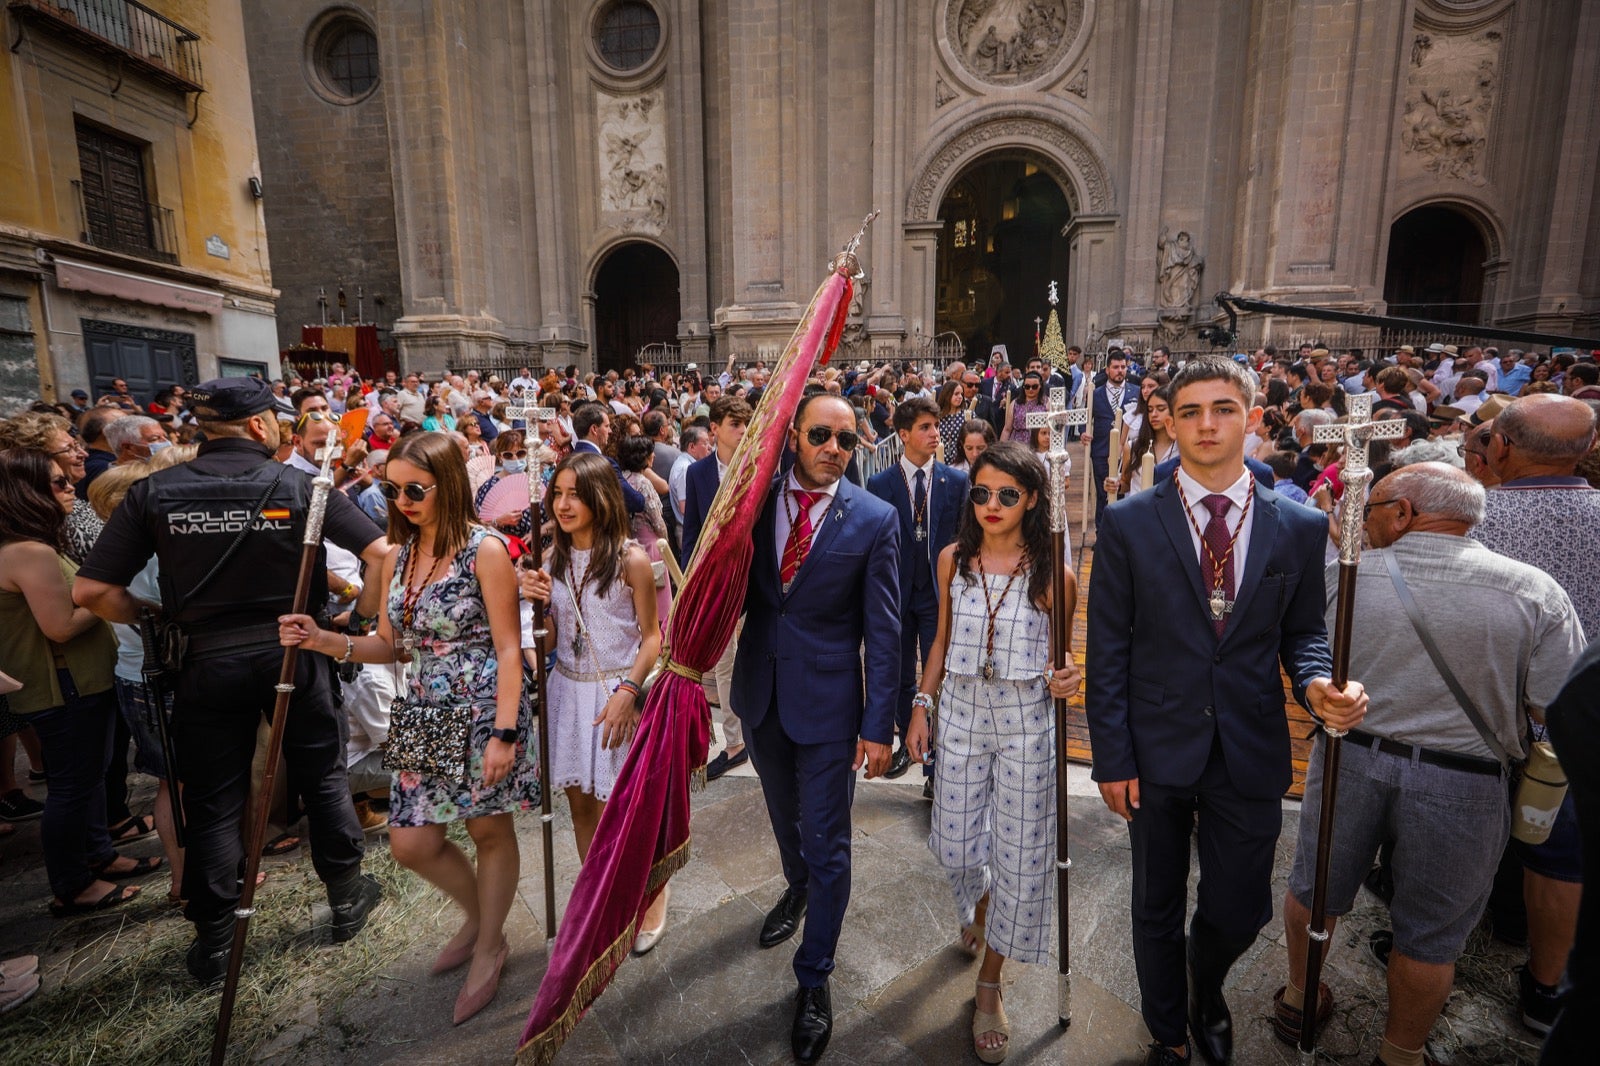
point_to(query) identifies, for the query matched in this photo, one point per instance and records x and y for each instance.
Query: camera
(1217, 336)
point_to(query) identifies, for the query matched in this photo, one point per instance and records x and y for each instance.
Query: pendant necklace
(413, 595)
(1219, 603)
(918, 516)
(579, 634)
(992, 608)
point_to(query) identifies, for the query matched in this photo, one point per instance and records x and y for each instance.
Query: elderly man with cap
(79, 403)
(227, 529)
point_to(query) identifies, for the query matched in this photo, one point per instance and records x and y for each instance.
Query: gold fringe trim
(541, 1049)
(697, 779)
(663, 868)
(674, 667)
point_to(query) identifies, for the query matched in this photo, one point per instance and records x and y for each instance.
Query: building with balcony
(132, 240)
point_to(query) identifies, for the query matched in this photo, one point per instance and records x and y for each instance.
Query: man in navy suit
(1201, 588)
(1110, 400)
(824, 581)
(730, 415)
(928, 496)
(591, 424)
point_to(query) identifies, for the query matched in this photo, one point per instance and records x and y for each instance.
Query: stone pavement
(902, 991)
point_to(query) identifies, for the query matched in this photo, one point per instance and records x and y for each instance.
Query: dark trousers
(76, 741)
(1101, 461)
(1237, 839)
(809, 789)
(919, 624)
(217, 705)
(1575, 727)
(117, 775)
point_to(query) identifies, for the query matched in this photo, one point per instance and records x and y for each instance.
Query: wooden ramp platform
(1078, 748)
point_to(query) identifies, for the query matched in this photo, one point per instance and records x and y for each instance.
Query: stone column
(1152, 52)
(1092, 278)
(919, 276)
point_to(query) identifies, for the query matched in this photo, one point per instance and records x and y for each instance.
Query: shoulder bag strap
(1415, 614)
(261, 505)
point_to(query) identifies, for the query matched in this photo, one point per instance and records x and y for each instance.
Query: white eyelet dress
(581, 683)
(994, 808)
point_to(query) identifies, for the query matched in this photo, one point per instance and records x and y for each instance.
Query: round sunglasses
(980, 494)
(415, 492)
(818, 436)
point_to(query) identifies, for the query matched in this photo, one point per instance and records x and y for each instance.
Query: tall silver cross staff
(531, 417)
(1059, 417)
(1355, 434)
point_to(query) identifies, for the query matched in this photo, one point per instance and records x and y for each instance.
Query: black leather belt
(1447, 760)
(216, 645)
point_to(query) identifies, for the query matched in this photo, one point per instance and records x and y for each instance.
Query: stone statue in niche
(1450, 92)
(633, 163)
(1179, 277)
(1009, 41)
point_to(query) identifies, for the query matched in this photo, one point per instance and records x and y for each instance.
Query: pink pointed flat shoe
(473, 1000)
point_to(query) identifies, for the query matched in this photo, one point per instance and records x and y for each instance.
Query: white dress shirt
(787, 506)
(1237, 493)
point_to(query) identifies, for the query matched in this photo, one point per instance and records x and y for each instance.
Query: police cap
(229, 399)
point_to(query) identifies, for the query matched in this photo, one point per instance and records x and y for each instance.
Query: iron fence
(132, 227)
(159, 46)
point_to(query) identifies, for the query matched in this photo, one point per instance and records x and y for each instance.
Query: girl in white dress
(994, 807)
(600, 609)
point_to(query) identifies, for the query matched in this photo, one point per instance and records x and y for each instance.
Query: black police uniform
(187, 516)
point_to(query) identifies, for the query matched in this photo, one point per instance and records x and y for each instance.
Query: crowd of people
(913, 629)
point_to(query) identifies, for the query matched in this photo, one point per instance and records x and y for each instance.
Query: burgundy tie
(1218, 537)
(799, 542)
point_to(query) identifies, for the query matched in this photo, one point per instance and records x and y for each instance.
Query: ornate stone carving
(1079, 85)
(1007, 42)
(633, 159)
(942, 93)
(1087, 185)
(1450, 92)
(1178, 280)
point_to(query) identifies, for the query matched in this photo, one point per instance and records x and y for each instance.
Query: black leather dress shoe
(813, 1023)
(899, 763)
(784, 919)
(1161, 1055)
(1210, 1024)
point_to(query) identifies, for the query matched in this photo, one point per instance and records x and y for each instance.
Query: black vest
(194, 517)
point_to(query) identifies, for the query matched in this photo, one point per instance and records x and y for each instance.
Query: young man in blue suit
(824, 581)
(1111, 399)
(1201, 588)
(928, 496)
(730, 416)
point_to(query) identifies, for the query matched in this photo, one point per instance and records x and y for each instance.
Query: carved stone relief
(942, 93)
(633, 159)
(1079, 84)
(1088, 188)
(1450, 95)
(1007, 42)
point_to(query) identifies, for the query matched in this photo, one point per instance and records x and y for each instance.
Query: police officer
(227, 529)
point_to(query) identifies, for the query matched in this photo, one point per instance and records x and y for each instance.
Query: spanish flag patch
(277, 512)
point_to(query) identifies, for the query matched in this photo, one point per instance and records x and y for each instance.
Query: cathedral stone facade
(556, 181)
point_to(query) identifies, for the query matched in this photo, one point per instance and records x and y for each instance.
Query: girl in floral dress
(452, 614)
(600, 600)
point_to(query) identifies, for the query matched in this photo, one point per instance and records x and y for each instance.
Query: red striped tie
(799, 542)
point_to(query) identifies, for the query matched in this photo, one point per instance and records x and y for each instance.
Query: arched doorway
(1003, 243)
(636, 303)
(1435, 270)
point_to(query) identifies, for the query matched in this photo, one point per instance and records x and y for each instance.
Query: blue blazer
(800, 654)
(1160, 680)
(700, 483)
(1105, 420)
(947, 495)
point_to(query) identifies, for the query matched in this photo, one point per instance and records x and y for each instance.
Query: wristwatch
(507, 735)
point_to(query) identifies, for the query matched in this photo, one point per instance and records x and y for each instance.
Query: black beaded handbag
(426, 738)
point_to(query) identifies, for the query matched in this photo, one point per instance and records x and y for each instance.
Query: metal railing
(126, 30)
(873, 458)
(146, 230)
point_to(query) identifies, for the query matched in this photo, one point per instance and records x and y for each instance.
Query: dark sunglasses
(311, 416)
(1031, 385)
(414, 492)
(523, 454)
(60, 483)
(1009, 497)
(818, 436)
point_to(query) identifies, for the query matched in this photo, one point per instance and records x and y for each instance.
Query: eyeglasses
(415, 492)
(60, 483)
(312, 416)
(980, 494)
(819, 435)
(75, 448)
(1366, 512)
(523, 454)
(1031, 385)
